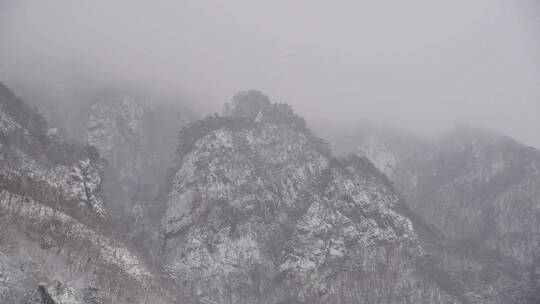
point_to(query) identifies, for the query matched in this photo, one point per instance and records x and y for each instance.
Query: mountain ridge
(253, 207)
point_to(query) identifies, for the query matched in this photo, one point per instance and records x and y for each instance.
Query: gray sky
(423, 65)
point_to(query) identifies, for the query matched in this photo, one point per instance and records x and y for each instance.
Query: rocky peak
(115, 126)
(254, 105)
(479, 191)
(256, 209)
(259, 211)
(54, 223)
(137, 134)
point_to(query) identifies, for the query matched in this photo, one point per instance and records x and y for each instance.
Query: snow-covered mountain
(251, 207)
(260, 212)
(480, 192)
(138, 137)
(56, 241)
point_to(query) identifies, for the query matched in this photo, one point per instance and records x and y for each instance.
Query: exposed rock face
(54, 225)
(55, 292)
(138, 138)
(480, 192)
(260, 212)
(116, 128)
(257, 210)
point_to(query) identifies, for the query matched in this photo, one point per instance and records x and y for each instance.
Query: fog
(420, 65)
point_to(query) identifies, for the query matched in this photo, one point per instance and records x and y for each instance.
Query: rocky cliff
(56, 242)
(478, 191)
(251, 207)
(260, 212)
(137, 135)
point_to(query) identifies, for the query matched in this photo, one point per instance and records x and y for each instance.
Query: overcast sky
(423, 65)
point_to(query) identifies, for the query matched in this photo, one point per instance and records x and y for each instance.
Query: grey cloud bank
(421, 65)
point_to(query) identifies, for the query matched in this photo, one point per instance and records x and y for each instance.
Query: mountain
(260, 212)
(251, 207)
(57, 244)
(478, 192)
(138, 136)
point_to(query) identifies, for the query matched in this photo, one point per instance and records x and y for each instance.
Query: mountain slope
(56, 242)
(255, 209)
(260, 212)
(480, 192)
(138, 137)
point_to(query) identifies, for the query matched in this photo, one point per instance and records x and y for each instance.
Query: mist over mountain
(423, 66)
(246, 152)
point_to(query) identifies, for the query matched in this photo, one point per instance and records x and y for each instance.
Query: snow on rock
(381, 157)
(137, 137)
(115, 125)
(479, 192)
(260, 212)
(59, 293)
(31, 215)
(53, 221)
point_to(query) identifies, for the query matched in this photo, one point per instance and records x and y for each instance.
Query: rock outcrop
(138, 138)
(54, 223)
(478, 192)
(260, 212)
(251, 207)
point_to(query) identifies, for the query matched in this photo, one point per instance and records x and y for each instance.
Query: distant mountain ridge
(251, 207)
(481, 192)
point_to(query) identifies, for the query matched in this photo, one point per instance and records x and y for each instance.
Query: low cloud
(420, 65)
